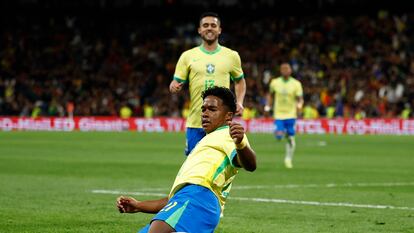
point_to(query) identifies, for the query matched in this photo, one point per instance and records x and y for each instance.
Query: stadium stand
(357, 65)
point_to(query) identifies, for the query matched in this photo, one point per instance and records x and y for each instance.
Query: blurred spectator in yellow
(310, 112)
(148, 110)
(125, 112)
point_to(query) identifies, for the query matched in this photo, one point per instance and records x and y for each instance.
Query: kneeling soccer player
(203, 183)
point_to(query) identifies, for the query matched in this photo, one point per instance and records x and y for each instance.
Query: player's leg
(279, 129)
(291, 144)
(192, 209)
(145, 229)
(158, 226)
(193, 136)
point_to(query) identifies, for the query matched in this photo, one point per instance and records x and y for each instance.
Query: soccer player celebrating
(203, 183)
(207, 65)
(288, 100)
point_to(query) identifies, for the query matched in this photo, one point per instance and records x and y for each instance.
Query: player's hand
(127, 204)
(236, 132)
(299, 110)
(239, 109)
(176, 86)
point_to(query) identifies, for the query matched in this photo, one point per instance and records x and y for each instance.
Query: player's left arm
(299, 98)
(299, 101)
(240, 89)
(246, 157)
(237, 76)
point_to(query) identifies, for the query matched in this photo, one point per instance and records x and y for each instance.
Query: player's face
(285, 70)
(214, 114)
(209, 29)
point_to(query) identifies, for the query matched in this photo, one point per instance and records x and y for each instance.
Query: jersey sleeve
(182, 69)
(272, 86)
(231, 152)
(236, 73)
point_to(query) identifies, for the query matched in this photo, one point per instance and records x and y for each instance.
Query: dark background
(102, 55)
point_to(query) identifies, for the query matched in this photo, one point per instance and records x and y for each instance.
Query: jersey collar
(284, 80)
(220, 128)
(210, 52)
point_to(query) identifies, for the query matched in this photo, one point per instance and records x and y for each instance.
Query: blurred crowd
(354, 67)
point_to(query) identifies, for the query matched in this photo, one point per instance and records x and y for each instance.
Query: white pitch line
(271, 200)
(293, 186)
(129, 193)
(317, 203)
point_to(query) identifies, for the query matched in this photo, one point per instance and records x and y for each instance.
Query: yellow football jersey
(210, 165)
(204, 69)
(285, 95)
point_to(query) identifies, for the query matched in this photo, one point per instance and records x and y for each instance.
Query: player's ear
(229, 117)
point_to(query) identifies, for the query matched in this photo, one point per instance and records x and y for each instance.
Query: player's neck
(210, 47)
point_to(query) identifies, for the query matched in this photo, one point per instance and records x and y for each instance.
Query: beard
(209, 40)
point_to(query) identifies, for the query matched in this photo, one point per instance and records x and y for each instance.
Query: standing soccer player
(205, 66)
(204, 181)
(288, 100)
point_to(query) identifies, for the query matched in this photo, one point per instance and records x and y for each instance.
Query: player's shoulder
(229, 50)
(219, 138)
(191, 51)
(221, 133)
(276, 80)
(226, 49)
(296, 81)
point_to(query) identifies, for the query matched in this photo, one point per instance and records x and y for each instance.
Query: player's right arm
(180, 74)
(269, 102)
(131, 205)
(176, 86)
(246, 157)
(269, 98)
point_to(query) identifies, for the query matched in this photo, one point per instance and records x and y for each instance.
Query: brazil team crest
(210, 68)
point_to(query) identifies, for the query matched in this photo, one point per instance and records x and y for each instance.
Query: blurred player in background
(204, 181)
(205, 66)
(288, 101)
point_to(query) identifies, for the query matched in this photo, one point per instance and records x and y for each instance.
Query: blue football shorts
(192, 137)
(193, 209)
(286, 126)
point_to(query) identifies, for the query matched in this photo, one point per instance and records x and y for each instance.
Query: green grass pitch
(338, 183)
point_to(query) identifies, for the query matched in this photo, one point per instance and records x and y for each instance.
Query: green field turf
(47, 179)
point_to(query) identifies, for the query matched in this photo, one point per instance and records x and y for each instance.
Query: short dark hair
(209, 13)
(225, 94)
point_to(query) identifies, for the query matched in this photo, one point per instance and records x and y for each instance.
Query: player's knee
(279, 135)
(291, 140)
(158, 226)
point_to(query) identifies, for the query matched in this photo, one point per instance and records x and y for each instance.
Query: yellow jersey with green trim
(210, 164)
(285, 94)
(203, 69)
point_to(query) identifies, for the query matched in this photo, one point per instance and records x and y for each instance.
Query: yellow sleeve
(272, 85)
(230, 150)
(237, 71)
(182, 69)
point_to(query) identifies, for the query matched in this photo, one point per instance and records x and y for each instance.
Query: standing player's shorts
(193, 209)
(192, 137)
(286, 126)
